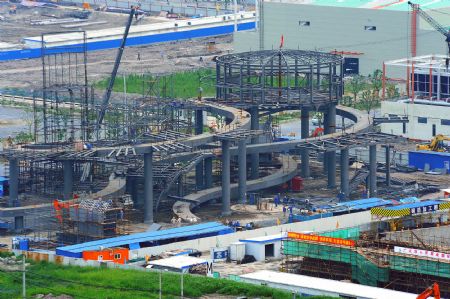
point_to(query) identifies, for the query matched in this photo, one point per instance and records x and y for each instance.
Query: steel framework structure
(283, 78)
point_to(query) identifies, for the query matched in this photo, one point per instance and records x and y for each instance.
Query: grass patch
(87, 282)
(179, 85)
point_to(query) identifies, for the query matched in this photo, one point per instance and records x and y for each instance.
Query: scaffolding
(370, 258)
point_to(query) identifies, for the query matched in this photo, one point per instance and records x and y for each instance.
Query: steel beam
(388, 165)
(373, 170)
(226, 195)
(68, 179)
(148, 187)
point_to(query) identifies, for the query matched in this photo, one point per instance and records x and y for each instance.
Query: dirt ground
(16, 26)
(156, 59)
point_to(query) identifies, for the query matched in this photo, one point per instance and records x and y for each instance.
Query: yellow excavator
(436, 144)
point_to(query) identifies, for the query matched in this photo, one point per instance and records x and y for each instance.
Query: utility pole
(182, 281)
(160, 284)
(24, 289)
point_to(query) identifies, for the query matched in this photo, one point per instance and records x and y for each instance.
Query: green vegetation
(179, 85)
(88, 282)
(363, 93)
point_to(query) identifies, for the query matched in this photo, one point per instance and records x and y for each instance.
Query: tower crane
(107, 96)
(435, 25)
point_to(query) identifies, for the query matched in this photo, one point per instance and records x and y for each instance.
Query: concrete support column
(331, 169)
(304, 119)
(199, 167)
(180, 186)
(345, 172)
(388, 165)
(199, 175)
(13, 181)
(68, 179)
(254, 158)
(198, 122)
(226, 195)
(330, 157)
(242, 164)
(18, 223)
(373, 170)
(208, 163)
(326, 130)
(148, 187)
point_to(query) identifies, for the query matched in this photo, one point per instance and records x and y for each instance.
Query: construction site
(345, 195)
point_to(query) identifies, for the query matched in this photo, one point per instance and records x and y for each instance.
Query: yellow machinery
(436, 144)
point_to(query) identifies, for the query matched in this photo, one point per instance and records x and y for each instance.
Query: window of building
(422, 120)
(445, 122)
(370, 28)
(433, 130)
(404, 128)
(117, 256)
(304, 23)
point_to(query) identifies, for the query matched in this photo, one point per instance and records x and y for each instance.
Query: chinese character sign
(321, 239)
(423, 253)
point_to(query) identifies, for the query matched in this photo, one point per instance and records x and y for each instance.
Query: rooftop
(324, 286)
(132, 241)
(398, 5)
(415, 205)
(178, 262)
(265, 239)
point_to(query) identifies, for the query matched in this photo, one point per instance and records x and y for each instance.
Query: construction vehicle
(436, 144)
(435, 25)
(107, 96)
(432, 291)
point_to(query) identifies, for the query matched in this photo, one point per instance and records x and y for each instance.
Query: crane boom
(106, 97)
(435, 25)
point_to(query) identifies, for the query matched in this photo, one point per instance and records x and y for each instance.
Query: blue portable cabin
(418, 159)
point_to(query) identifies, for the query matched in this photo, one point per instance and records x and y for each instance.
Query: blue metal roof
(192, 231)
(363, 204)
(431, 153)
(415, 205)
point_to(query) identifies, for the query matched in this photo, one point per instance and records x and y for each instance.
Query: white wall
(324, 224)
(255, 249)
(414, 129)
(342, 28)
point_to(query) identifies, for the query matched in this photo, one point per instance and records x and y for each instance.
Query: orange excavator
(431, 291)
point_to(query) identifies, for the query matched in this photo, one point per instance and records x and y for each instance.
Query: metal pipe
(68, 179)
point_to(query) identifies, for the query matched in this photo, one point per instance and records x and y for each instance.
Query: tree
(376, 80)
(369, 100)
(356, 85)
(392, 91)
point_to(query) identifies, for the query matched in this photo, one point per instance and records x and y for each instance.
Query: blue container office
(434, 159)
